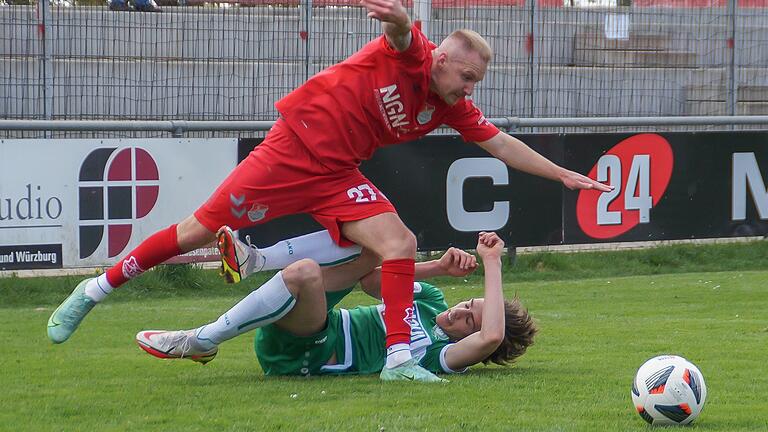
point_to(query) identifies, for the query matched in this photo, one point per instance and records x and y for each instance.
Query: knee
(400, 246)
(303, 273)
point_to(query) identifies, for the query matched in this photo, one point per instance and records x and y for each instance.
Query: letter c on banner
(458, 173)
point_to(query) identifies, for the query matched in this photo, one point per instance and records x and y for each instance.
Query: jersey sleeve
(469, 121)
(434, 359)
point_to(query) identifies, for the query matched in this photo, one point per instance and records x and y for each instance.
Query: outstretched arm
(479, 345)
(395, 21)
(517, 155)
(454, 262)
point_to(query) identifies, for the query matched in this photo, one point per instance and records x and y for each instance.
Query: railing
(180, 127)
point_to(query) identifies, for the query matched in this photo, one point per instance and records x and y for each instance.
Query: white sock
(318, 246)
(263, 306)
(98, 288)
(398, 354)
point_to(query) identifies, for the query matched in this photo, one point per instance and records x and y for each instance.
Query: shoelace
(174, 340)
(252, 249)
(186, 346)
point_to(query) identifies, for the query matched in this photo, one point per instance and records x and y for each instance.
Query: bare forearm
(395, 21)
(493, 312)
(398, 34)
(428, 269)
(519, 156)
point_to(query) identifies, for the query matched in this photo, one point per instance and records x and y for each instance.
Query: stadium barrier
(669, 186)
(84, 203)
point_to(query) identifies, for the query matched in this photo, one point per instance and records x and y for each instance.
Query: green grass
(577, 377)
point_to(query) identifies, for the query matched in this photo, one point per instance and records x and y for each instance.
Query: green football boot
(409, 371)
(65, 319)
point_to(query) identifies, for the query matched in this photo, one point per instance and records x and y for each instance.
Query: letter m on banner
(746, 172)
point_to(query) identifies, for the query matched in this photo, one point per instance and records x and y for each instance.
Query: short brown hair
(472, 41)
(519, 330)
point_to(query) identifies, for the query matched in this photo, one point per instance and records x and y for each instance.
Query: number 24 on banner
(639, 169)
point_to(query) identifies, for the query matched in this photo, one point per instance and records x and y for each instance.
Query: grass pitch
(594, 334)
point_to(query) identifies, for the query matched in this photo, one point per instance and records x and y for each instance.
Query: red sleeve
(470, 122)
(416, 51)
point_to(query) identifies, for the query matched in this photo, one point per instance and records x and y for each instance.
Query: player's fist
(489, 245)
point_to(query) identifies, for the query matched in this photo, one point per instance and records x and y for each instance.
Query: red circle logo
(639, 169)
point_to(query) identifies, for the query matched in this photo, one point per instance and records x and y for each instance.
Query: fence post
(731, 77)
(511, 255)
(534, 61)
(44, 19)
(422, 14)
(306, 35)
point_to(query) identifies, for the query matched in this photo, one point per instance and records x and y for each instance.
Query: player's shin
(263, 306)
(158, 248)
(397, 293)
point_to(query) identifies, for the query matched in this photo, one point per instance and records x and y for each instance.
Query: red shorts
(281, 177)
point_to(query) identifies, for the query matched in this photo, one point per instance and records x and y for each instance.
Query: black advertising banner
(22, 257)
(447, 190)
(668, 186)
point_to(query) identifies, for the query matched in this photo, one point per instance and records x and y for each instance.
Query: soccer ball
(669, 390)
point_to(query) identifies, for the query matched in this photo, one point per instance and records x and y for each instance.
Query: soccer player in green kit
(316, 339)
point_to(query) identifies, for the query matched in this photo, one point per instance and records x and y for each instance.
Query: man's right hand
(456, 262)
(389, 11)
(489, 246)
(394, 21)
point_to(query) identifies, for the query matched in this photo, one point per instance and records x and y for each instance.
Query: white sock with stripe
(398, 354)
(318, 246)
(98, 288)
(263, 306)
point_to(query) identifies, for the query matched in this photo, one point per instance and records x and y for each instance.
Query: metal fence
(227, 61)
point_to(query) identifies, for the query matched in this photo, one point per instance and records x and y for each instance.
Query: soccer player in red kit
(396, 88)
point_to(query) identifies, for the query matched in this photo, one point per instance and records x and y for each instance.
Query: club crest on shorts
(257, 212)
(425, 115)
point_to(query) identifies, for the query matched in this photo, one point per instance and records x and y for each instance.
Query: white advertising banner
(87, 202)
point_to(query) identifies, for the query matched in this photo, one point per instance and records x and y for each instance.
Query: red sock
(158, 248)
(397, 293)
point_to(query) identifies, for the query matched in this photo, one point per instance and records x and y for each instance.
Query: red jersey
(376, 97)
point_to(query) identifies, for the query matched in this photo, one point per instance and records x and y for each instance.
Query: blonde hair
(472, 41)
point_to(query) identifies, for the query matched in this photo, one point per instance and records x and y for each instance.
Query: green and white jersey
(360, 346)
(356, 337)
